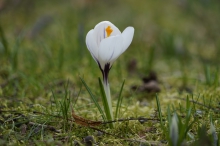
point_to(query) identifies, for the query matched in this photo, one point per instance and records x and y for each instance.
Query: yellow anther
(108, 30)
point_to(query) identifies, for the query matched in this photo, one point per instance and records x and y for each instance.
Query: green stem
(106, 99)
(108, 96)
(119, 101)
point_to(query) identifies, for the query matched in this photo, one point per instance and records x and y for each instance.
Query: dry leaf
(84, 122)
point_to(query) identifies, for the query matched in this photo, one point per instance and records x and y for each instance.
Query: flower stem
(108, 96)
(104, 88)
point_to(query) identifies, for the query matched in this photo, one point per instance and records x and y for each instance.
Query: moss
(37, 66)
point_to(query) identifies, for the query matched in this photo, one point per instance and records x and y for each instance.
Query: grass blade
(160, 115)
(159, 109)
(105, 103)
(77, 97)
(118, 107)
(93, 99)
(207, 74)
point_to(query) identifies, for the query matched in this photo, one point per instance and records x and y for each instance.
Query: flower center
(109, 30)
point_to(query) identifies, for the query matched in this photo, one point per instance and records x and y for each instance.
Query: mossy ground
(43, 53)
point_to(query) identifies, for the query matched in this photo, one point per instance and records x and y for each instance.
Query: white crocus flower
(174, 130)
(106, 43)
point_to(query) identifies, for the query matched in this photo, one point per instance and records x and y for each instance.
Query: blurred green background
(44, 41)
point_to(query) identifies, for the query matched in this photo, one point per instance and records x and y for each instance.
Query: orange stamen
(108, 30)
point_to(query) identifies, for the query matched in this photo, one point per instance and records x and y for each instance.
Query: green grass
(43, 55)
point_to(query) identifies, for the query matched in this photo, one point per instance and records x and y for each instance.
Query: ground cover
(171, 73)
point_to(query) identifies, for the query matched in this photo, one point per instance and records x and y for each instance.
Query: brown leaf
(85, 122)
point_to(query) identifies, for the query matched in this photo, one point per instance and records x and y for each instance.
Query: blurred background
(44, 41)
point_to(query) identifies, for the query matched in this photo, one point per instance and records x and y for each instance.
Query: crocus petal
(174, 130)
(127, 35)
(100, 32)
(117, 50)
(109, 50)
(92, 45)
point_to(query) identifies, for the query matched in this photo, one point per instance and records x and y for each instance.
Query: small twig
(140, 119)
(56, 116)
(198, 103)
